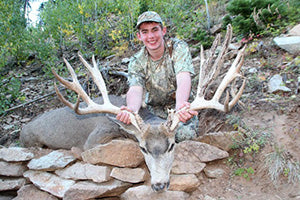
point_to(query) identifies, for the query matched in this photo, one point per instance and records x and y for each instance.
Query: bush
(13, 40)
(9, 92)
(264, 17)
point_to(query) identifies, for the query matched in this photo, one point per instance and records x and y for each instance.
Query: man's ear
(164, 30)
(139, 35)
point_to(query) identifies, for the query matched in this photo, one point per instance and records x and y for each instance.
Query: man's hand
(185, 115)
(124, 116)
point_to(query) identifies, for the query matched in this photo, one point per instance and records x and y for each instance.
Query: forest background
(107, 27)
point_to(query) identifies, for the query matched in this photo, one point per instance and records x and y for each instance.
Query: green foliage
(264, 17)
(244, 172)
(249, 140)
(13, 40)
(204, 37)
(9, 92)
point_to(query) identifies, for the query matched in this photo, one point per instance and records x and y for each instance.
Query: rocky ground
(267, 121)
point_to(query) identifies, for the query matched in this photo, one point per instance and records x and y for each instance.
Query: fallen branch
(32, 101)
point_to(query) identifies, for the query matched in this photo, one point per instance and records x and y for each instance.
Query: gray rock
(295, 31)
(52, 161)
(85, 171)
(130, 175)
(15, 154)
(31, 192)
(276, 84)
(11, 183)
(12, 169)
(290, 44)
(213, 172)
(193, 150)
(49, 182)
(88, 190)
(144, 192)
(222, 140)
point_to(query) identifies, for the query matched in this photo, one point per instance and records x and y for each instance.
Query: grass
(281, 163)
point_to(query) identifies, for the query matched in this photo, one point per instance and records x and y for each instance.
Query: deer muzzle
(159, 187)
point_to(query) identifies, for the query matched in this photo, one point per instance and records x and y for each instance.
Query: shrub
(264, 17)
(9, 92)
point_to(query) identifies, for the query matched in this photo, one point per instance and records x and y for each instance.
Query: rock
(6, 197)
(187, 182)
(192, 166)
(52, 161)
(193, 150)
(208, 198)
(144, 192)
(222, 140)
(295, 31)
(252, 70)
(291, 44)
(11, 183)
(76, 152)
(276, 84)
(125, 60)
(120, 153)
(12, 169)
(85, 171)
(130, 175)
(213, 172)
(25, 120)
(31, 192)
(15, 154)
(7, 127)
(88, 190)
(49, 182)
(235, 46)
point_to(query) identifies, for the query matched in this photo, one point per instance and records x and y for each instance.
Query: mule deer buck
(155, 136)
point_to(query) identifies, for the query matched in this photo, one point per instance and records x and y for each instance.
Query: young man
(163, 69)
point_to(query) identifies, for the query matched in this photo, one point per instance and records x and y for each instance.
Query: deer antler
(92, 107)
(207, 74)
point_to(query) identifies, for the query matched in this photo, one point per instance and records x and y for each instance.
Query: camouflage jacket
(158, 78)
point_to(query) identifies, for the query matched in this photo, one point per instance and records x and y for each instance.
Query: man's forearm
(183, 88)
(134, 98)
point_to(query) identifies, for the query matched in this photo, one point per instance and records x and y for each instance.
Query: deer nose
(158, 187)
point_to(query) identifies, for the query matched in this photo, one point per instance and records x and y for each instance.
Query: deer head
(157, 141)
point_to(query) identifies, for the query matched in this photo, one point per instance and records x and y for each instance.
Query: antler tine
(92, 107)
(206, 77)
(75, 86)
(208, 74)
(63, 99)
(219, 61)
(232, 73)
(97, 77)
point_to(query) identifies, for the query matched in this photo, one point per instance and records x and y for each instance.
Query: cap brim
(138, 25)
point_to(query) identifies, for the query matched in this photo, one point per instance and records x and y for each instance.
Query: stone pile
(115, 170)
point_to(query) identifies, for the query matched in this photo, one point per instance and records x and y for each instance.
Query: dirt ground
(277, 116)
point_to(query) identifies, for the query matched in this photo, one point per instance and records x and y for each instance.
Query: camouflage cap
(148, 16)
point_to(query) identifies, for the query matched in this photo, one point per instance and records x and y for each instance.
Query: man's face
(151, 34)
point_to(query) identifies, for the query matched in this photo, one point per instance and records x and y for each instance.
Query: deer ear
(131, 129)
(166, 130)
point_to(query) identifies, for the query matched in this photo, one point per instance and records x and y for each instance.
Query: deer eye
(171, 147)
(143, 150)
